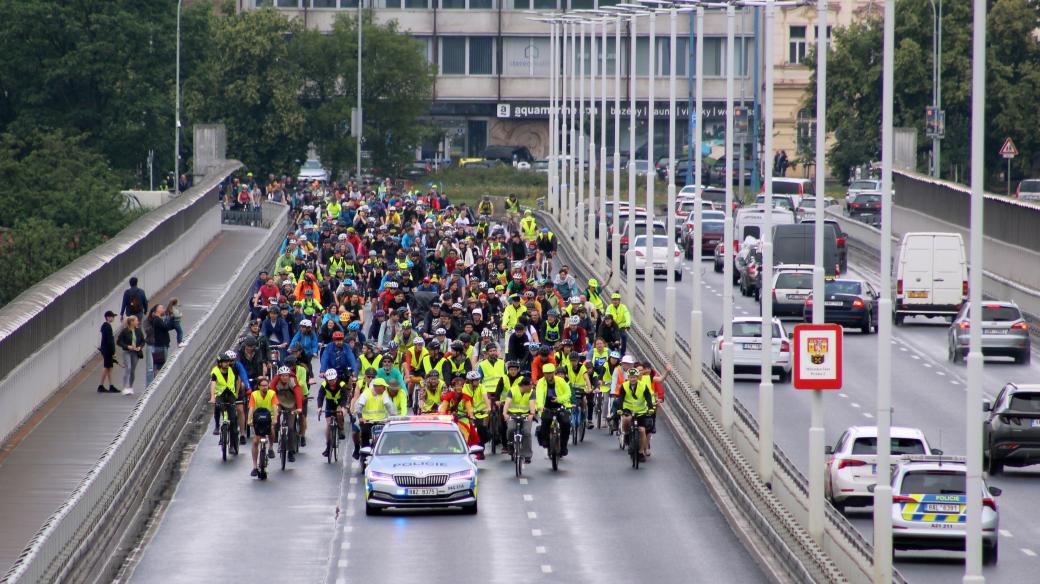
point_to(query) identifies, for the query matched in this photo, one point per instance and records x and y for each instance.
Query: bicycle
(597, 408)
(631, 439)
(554, 441)
(333, 450)
(494, 421)
(261, 461)
(228, 429)
(287, 435)
(577, 418)
(518, 440)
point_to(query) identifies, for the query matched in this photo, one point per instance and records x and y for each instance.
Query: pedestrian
(176, 315)
(157, 338)
(108, 353)
(131, 342)
(784, 163)
(135, 302)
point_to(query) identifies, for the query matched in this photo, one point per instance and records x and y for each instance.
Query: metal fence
(79, 535)
(249, 217)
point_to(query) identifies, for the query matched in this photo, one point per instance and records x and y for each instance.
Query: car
(541, 166)
(848, 302)
(657, 262)
(749, 268)
(796, 187)
(714, 194)
(508, 154)
(420, 462)
(685, 225)
(859, 186)
(1005, 332)
(929, 506)
(791, 286)
(747, 348)
(852, 462)
(751, 220)
(781, 201)
(866, 207)
(711, 236)
(795, 244)
(1011, 430)
(931, 276)
(1028, 190)
(312, 170)
(718, 171)
(806, 208)
(840, 237)
(638, 167)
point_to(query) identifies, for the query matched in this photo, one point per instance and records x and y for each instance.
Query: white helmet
(473, 376)
(306, 322)
(283, 370)
(574, 320)
(331, 375)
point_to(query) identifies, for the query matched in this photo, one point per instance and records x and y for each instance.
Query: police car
(421, 462)
(929, 505)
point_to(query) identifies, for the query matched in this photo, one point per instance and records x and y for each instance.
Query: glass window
(806, 127)
(421, 442)
(394, 4)
(582, 4)
(525, 56)
(481, 55)
(1022, 401)
(348, 3)
(545, 5)
(288, 3)
(642, 55)
(664, 56)
(264, 3)
(900, 446)
(460, 4)
(323, 3)
(420, 4)
(714, 56)
(796, 45)
(999, 313)
(933, 482)
(480, 4)
(453, 55)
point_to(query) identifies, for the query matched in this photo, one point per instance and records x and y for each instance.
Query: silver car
(421, 462)
(1005, 333)
(929, 503)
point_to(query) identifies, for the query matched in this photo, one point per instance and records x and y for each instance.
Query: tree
(854, 83)
(250, 84)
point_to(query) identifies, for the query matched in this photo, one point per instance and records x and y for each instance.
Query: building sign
(525, 57)
(817, 356)
(504, 110)
(540, 110)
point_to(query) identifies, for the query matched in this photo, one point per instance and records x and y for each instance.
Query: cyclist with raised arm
(261, 418)
(224, 390)
(553, 398)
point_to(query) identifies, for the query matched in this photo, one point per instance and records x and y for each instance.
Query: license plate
(796, 296)
(753, 346)
(916, 294)
(1035, 423)
(941, 508)
(994, 331)
(832, 303)
(422, 492)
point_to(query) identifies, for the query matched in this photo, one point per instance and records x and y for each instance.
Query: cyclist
(372, 406)
(481, 408)
(338, 356)
(519, 402)
(290, 403)
(458, 402)
(368, 359)
(261, 415)
(398, 395)
(547, 243)
(387, 370)
(512, 207)
(578, 378)
(332, 401)
(486, 207)
(224, 389)
(622, 317)
(553, 397)
(430, 398)
(528, 226)
(637, 399)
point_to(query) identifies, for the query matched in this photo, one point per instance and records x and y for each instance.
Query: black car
(840, 237)
(865, 208)
(850, 303)
(751, 275)
(1011, 431)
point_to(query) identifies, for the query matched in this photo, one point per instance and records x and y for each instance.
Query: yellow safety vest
(595, 299)
(433, 400)
(491, 373)
(400, 401)
(366, 364)
(375, 409)
(521, 402)
(563, 392)
(480, 405)
(620, 314)
(225, 384)
(264, 402)
(577, 378)
(552, 332)
(639, 401)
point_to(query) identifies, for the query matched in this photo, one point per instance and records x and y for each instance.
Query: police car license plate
(942, 508)
(422, 492)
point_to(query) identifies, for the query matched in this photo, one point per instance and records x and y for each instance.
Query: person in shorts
(262, 401)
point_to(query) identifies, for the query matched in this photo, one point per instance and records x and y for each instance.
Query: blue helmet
(354, 326)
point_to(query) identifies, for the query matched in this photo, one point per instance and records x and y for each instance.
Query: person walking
(158, 340)
(108, 353)
(130, 341)
(176, 316)
(135, 302)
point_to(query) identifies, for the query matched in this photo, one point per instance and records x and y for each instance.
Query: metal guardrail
(76, 536)
(247, 217)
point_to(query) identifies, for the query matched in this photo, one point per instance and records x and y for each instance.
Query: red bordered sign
(817, 356)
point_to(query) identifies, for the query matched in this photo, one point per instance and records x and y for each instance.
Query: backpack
(133, 306)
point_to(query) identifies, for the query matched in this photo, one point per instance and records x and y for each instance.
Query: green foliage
(1013, 77)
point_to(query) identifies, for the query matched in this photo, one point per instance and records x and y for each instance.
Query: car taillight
(857, 303)
(850, 462)
(853, 205)
(991, 503)
(676, 253)
(964, 324)
(964, 287)
(841, 242)
(899, 286)
(624, 240)
(1021, 326)
(902, 499)
(808, 301)
(736, 245)
(785, 347)
(751, 270)
(639, 252)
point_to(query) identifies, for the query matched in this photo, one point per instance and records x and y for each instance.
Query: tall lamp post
(360, 111)
(177, 113)
(937, 12)
(615, 241)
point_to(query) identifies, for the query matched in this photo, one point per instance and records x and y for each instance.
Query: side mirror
(995, 491)
(366, 451)
(476, 449)
(937, 452)
(712, 334)
(828, 450)
(870, 488)
(987, 406)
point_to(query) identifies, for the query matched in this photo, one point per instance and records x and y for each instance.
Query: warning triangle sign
(1008, 150)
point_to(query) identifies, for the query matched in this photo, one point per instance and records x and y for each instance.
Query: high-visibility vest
(417, 360)
(366, 364)
(637, 401)
(433, 400)
(552, 333)
(521, 402)
(512, 205)
(335, 397)
(595, 299)
(457, 370)
(375, 409)
(225, 383)
(480, 405)
(400, 401)
(491, 373)
(264, 402)
(576, 377)
(563, 392)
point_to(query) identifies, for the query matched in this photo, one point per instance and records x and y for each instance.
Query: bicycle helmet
(575, 356)
(283, 370)
(354, 326)
(457, 346)
(222, 358)
(614, 355)
(230, 355)
(567, 342)
(440, 332)
(331, 375)
(553, 312)
(456, 306)
(487, 333)
(306, 323)
(574, 320)
(472, 376)
(337, 336)
(434, 373)
(392, 345)
(574, 300)
(419, 341)
(544, 350)
(513, 364)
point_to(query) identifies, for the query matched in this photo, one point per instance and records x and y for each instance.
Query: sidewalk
(46, 460)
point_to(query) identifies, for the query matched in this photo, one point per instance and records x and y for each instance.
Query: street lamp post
(630, 271)
(936, 80)
(177, 113)
(727, 239)
(648, 274)
(601, 231)
(360, 111)
(574, 146)
(615, 239)
(697, 314)
(669, 293)
(765, 388)
(579, 212)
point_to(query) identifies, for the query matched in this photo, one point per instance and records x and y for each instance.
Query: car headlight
(375, 475)
(467, 474)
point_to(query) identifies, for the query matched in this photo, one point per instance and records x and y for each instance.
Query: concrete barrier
(50, 331)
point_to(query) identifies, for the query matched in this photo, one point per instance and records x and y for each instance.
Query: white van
(751, 219)
(931, 276)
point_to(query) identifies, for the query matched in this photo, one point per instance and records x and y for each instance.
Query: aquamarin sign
(526, 111)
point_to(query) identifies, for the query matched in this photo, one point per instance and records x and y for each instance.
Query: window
(288, 3)
(481, 55)
(453, 55)
(714, 57)
(582, 4)
(534, 4)
(323, 3)
(525, 56)
(664, 64)
(480, 4)
(427, 47)
(796, 45)
(392, 4)
(471, 4)
(421, 4)
(459, 4)
(642, 55)
(806, 127)
(467, 56)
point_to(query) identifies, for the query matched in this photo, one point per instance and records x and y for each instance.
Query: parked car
(1005, 332)
(1011, 430)
(931, 276)
(718, 172)
(541, 166)
(1028, 190)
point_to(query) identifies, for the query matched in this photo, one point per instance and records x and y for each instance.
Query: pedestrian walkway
(44, 462)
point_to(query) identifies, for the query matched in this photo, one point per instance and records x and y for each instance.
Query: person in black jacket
(157, 337)
(135, 302)
(108, 353)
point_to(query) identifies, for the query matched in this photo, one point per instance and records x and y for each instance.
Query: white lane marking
(348, 528)
(353, 480)
(532, 515)
(1005, 533)
(342, 563)
(868, 415)
(955, 382)
(546, 569)
(1029, 552)
(937, 372)
(536, 532)
(929, 365)
(843, 395)
(903, 349)
(523, 481)
(345, 545)
(915, 357)
(854, 404)
(539, 549)
(528, 498)
(351, 496)
(341, 580)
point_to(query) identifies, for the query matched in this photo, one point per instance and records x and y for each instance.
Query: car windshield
(863, 184)
(1000, 313)
(1030, 185)
(933, 482)
(799, 280)
(807, 202)
(868, 445)
(421, 442)
(785, 188)
(713, 226)
(312, 165)
(1026, 402)
(843, 287)
(641, 228)
(659, 241)
(753, 329)
(781, 202)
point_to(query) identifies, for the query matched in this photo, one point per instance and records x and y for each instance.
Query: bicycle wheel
(283, 446)
(575, 422)
(633, 445)
(584, 422)
(223, 441)
(517, 459)
(493, 430)
(233, 433)
(261, 462)
(599, 410)
(554, 446)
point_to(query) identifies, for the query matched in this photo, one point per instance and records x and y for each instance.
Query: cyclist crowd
(387, 301)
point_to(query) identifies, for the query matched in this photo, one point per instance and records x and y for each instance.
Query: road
(596, 520)
(928, 392)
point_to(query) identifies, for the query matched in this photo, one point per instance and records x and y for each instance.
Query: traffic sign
(1008, 150)
(817, 356)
